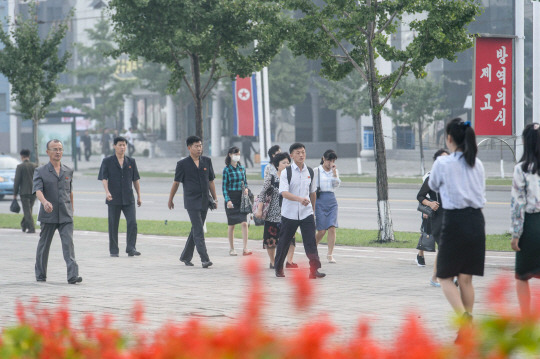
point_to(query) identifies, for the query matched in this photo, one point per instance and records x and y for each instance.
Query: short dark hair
(439, 152)
(233, 149)
(296, 146)
(280, 157)
(119, 139)
(272, 151)
(329, 155)
(25, 153)
(192, 139)
(54, 141)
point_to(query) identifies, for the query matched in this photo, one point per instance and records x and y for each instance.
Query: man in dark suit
(22, 186)
(87, 141)
(119, 174)
(53, 188)
(196, 174)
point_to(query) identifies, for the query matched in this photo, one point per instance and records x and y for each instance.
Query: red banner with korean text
(493, 86)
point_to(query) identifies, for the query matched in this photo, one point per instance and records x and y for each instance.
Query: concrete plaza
(380, 285)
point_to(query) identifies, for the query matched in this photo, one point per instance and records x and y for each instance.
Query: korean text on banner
(493, 87)
(246, 121)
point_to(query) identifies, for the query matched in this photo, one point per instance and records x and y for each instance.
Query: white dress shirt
(327, 181)
(300, 186)
(459, 185)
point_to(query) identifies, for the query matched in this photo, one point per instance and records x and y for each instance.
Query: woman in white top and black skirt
(326, 207)
(459, 178)
(526, 216)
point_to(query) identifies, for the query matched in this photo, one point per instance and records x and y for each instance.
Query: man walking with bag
(53, 188)
(298, 191)
(22, 186)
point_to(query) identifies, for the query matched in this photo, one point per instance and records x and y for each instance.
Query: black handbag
(318, 191)
(14, 207)
(427, 210)
(212, 204)
(426, 242)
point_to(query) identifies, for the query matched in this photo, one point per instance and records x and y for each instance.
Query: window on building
(405, 137)
(368, 138)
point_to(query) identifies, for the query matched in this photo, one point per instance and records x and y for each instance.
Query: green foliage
(420, 102)
(20, 342)
(350, 95)
(32, 65)
(216, 37)
(288, 79)
(95, 74)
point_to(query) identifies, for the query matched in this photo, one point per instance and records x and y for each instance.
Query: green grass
(345, 236)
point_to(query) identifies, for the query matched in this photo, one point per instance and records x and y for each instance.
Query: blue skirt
(326, 211)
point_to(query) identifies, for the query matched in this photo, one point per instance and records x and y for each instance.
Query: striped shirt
(233, 177)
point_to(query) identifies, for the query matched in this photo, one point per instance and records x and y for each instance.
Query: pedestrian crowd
(295, 196)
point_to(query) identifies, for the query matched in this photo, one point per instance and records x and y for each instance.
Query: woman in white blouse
(459, 179)
(526, 215)
(326, 177)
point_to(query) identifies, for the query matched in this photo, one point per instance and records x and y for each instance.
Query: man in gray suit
(52, 186)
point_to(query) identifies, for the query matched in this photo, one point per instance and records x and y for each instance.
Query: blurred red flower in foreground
(44, 333)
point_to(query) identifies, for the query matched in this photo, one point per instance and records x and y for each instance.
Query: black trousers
(78, 149)
(68, 250)
(87, 153)
(196, 237)
(27, 201)
(114, 220)
(247, 157)
(286, 238)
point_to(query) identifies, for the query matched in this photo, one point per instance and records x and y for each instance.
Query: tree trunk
(358, 134)
(386, 231)
(196, 72)
(421, 143)
(35, 135)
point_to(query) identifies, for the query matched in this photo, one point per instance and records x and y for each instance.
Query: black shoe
(272, 266)
(75, 280)
(41, 279)
(420, 261)
(31, 231)
(291, 265)
(114, 254)
(280, 274)
(316, 274)
(188, 263)
(23, 229)
(206, 264)
(134, 253)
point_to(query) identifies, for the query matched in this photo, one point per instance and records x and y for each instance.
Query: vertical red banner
(493, 86)
(245, 106)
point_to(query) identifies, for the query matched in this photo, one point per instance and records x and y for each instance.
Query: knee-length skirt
(528, 258)
(233, 214)
(462, 247)
(326, 211)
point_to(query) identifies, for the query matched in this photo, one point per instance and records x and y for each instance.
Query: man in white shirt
(298, 191)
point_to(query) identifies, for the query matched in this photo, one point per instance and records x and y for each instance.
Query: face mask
(235, 158)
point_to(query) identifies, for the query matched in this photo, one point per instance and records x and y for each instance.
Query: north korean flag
(246, 119)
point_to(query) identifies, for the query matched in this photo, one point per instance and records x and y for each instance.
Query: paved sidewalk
(378, 284)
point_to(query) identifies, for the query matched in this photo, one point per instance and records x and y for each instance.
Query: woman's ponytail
(465, 139)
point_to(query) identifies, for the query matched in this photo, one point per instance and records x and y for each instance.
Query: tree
(95, 74)
(288, 80)
(419, 105)
(216, 36)
(349, 95)
(349, 36)
(32, 65)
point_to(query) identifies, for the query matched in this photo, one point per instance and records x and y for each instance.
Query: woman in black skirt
(459, 179)
(526, 215)
(234, 177)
